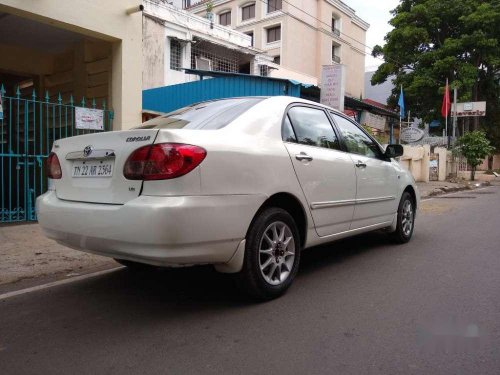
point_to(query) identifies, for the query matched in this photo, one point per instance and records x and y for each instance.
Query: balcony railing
(195, 23)
(335, 31)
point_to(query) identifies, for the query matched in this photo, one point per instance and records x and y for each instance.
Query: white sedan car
(244, 184)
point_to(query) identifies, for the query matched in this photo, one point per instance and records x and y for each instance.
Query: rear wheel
(405, 219)
(272, 254)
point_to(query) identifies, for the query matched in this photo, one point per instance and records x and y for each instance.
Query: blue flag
(401, 103)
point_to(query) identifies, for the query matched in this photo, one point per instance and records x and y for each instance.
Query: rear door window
(204, 116)
(288, 134)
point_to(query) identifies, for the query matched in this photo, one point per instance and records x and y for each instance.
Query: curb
(454, 189)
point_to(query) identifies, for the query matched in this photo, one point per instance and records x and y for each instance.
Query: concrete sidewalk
(433, 188)
(26, 253)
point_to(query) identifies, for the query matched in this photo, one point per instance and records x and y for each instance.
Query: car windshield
(207, 115)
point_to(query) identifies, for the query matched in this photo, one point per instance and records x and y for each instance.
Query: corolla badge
(87, 151)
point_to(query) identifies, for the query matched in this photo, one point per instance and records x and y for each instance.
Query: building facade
(301, 36)
(175, 40)
(74, 48)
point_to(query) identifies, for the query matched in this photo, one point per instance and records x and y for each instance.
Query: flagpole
(399, 133)
(401, 111)
(455, 114)
(446, 118)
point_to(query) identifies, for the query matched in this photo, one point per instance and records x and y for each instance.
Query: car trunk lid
(92, 166)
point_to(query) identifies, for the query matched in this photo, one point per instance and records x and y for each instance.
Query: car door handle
(360, 164)
(303, 156)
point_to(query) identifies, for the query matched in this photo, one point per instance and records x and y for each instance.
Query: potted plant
(210, 14)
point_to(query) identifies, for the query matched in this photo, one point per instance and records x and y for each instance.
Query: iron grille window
(263, 70)
(175, 54)
(229, 62)
(277, 59)
(273, 5)
(248, 12)
(225, 19)
(274, 34)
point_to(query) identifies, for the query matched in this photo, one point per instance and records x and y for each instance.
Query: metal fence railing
(28, 128)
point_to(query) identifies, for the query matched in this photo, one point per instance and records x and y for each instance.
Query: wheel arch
(293, 206)
(413, 194)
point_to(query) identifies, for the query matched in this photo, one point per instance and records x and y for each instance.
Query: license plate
(93, 168)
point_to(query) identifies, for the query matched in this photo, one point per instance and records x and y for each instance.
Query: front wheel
(405, 219)
(272, 254)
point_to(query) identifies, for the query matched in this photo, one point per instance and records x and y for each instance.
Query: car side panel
(246, 157)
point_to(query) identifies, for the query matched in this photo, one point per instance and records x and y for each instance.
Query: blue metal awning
(215, 74)
(220, 85)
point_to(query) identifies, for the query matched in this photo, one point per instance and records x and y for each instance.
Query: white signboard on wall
(372, 120)
(89, 118)
(471, 109)
(333, 86)
(411, 134)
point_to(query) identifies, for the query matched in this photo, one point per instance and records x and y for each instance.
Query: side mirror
(393, 151)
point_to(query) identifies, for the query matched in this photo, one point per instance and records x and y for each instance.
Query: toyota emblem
(87, 151)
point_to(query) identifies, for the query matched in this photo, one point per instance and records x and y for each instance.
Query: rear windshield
(207, 115)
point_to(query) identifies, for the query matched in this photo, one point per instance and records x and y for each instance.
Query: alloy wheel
(407, 217)
(276, 253)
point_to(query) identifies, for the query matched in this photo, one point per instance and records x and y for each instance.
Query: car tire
(405, 219)
(272, 255)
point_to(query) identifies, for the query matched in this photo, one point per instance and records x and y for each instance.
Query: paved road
(360, 306)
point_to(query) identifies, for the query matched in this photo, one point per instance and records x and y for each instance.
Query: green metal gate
(28, 128)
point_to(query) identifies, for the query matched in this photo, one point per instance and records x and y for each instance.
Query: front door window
(355, 140)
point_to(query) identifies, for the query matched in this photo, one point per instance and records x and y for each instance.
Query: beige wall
(484, 165)
(416, 160)
(306, 39)
(105, 21)
(153, 53)
(443, 154)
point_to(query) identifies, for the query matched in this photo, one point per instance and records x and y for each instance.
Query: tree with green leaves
(433, 40)
(474, 147)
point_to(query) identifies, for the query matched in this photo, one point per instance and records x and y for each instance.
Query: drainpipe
(132, 10)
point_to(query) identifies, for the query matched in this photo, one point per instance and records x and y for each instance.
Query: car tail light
(163, 161)
(53, 167)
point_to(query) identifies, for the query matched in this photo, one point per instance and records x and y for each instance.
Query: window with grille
(274, 34)
(248, 12)
(277, 60)
(263, 70)
(227, 62)
(273, 5)
(175, 55)
(225, 19)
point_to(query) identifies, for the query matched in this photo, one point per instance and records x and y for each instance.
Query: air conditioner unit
(203, 63)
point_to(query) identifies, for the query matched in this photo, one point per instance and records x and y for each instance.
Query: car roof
(282, 99)
(293, 99)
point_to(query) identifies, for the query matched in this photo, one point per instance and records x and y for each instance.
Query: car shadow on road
(346, 249)
(204, 288)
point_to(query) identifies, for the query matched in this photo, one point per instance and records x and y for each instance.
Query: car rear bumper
(167, 231)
